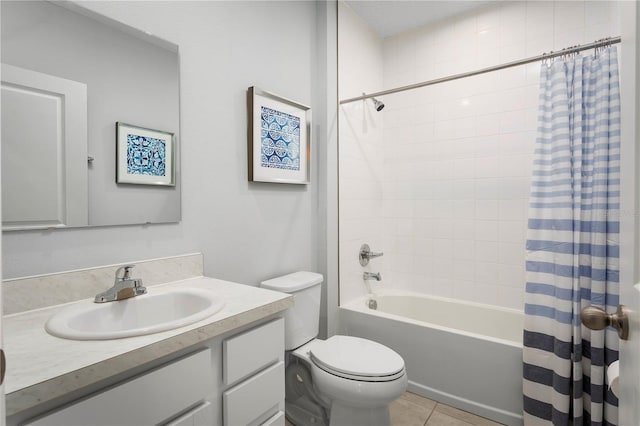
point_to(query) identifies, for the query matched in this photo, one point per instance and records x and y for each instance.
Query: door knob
(3, 366)
(597, 319)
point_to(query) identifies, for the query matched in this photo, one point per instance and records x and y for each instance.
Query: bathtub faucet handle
(366, 254)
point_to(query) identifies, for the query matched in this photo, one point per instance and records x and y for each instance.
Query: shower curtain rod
(544, 56)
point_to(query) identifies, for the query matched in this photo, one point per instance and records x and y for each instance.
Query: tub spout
(371, 276)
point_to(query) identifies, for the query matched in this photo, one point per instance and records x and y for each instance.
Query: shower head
(376, 103)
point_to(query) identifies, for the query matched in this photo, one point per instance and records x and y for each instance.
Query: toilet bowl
(353, 380)
(356, 378)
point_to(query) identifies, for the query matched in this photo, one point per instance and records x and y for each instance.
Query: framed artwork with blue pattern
(144, 156)
(279, 139)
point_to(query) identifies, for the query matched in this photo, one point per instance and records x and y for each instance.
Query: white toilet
(341, 381)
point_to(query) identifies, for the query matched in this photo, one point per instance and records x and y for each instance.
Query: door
(44, 140)
(629, 411)
(2, 358)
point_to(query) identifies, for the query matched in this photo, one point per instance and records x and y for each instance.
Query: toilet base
(301, 413)
(343, 415)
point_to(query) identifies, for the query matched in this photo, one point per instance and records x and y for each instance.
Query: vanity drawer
(252, 351)
(255, 397)
(275, 420)
(150, 398)
(202, 415)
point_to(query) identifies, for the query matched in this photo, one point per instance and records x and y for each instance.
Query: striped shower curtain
(572, 243)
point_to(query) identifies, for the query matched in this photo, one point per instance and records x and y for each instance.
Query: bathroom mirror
(69, 75)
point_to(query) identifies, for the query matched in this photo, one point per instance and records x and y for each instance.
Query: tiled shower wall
(361, 171)
(439, 179)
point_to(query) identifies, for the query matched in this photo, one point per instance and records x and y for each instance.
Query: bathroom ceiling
(390, 17)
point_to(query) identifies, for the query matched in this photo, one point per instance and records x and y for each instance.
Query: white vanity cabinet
(234, 379)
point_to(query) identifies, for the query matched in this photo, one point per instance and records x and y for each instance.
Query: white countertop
(41, 367)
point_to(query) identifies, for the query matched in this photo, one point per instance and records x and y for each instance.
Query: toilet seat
(357, 359)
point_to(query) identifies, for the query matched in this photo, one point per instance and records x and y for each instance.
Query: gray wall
(246, 231)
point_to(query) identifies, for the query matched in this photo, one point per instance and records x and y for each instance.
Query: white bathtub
(463, 354)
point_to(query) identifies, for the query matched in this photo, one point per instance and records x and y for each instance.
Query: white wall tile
(511, 276)
(569, 15)
(464, 209)
(443, 287)
(443, 209)
(514, 188)
(512, 209)
(487, 251)
(464, 271)
(487, 209)
(486, 272)
(401, 262)
(444, 188)
(443, 249)
(487, 17)
(463, 290)
(464, 250)
(488, 124)
(463, 189)
(465, 230)
(423, 248)
(442, 268)
(485, 293)
(443, 228)
(510, 297)
(512, 231)
(540, 19)
(513, 11)
(405, 226)
(511, 254)
(488, 189)
(487, 230)
(517, 143)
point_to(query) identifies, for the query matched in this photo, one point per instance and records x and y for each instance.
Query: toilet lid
(353, 357)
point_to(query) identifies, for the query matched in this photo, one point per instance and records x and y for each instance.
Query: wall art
(279, 139)
(144, 156)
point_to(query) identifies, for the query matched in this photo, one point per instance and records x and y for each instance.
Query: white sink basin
(146, 314)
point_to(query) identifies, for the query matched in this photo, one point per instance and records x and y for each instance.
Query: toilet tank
(301, 321)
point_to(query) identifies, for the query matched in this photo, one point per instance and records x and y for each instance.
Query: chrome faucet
(371, 276)
(365, 254)
(123, 288)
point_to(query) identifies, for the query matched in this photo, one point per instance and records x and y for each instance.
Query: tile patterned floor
(413, 410)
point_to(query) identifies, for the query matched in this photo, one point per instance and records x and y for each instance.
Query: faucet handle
(365, 254)
(126, 275)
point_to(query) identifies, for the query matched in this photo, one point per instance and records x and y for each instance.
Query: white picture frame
(144, 156)
(279, 145)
